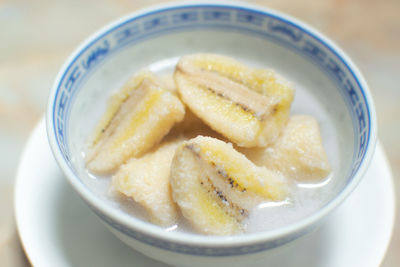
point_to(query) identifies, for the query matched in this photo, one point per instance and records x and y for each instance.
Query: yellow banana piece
(137, 118)
(216, 187)
(298, 154)
(248, 106)
(146, 180)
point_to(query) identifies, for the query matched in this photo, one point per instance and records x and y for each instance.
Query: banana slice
(191, 125)
(248, 106)
(146, 180)
(215, 186)
(297, 154)
(137, 118)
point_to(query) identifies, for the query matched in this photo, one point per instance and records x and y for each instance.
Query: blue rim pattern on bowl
(215, 17)
(197, 250)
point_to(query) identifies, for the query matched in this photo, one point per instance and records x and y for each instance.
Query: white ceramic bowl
(156, 37)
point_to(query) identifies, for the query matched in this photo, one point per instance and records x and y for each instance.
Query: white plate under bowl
(57, 228)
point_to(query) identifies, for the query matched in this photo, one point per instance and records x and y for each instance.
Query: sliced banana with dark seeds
(248, 106)
(137, 118)
(216, 187)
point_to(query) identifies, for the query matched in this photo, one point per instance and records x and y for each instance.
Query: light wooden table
(37, 36)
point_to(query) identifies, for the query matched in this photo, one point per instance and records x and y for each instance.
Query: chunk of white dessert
(146, 181)
(298, 153)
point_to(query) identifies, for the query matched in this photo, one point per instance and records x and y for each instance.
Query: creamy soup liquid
(304, 199)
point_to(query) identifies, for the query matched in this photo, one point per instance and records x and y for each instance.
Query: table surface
(37, 37)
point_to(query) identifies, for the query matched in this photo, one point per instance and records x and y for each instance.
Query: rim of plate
(202, 240)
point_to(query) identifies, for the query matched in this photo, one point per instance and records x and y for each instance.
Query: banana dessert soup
(212, 148)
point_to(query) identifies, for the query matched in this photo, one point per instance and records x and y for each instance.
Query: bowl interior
(326, 86)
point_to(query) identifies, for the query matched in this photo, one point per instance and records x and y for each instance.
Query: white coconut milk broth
(304, 199)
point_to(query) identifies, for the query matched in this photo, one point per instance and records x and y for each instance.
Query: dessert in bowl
(327, 86)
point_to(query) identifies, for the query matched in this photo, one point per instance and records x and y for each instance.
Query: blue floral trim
(219, 251)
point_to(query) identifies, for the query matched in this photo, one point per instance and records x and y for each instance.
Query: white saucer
(58, 229)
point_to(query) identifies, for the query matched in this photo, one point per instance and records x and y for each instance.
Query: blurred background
(37, 37)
